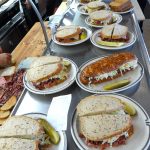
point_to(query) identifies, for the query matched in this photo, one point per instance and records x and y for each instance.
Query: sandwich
(105, 130)
(67, 34)
(99, 104)
(28, 131)
(18, 144)
(95, 6)
(103, 121)
(101, 18)
(48, 71)
(108, 68)
(113, 35)
(120, 5)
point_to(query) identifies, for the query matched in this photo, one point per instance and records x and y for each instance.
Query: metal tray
(81, 53)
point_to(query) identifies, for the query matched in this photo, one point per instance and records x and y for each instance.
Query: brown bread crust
(105, 65)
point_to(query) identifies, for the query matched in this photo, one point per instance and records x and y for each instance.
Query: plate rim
(40, 92)
(109, 91)
(120, 95)
(124, 12)
(44, 115)
(95, 26)
(89, 32)
(110, 48)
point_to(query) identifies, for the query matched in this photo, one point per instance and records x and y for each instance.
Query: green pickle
(50, 131)
(112, 44)
(116, 85)
(83, 35)
(129, 109)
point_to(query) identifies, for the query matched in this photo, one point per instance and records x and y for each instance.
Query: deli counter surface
(81, 53)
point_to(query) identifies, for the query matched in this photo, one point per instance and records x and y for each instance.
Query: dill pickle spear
(116, 85)
(112, 44)
(83, 35)
(129, 109)
(51, 132)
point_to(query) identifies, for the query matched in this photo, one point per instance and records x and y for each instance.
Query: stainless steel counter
(79, 54)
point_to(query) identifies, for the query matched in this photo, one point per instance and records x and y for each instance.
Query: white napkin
(58, 112)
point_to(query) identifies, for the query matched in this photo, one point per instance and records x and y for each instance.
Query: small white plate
(116, 16)
(95, 37)
(134, 76)
(124, 12)
(29, 86)
(140, 140)
(63, 139)
(81, 9)
(89, 33)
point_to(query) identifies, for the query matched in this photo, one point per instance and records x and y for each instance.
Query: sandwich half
(108, 68)
(99, 104)
(114, 33)
(95, 6)
(105, 130)
(18, 144)
(87, 1)
(101, 18)
(120, 5)
(67, 34)
(45, 74)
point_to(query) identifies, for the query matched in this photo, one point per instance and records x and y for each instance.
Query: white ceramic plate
(116, 16)
(89, 33)
(94, 38)
(81, 9)
(63, 139)
(124, 12)
(57, 88)
(140, 140)
(134, 76)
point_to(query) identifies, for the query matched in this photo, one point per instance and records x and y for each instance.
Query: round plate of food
(50, 74)
(112, 73)
(71, 35)
(91, 7)
(110, 120)
(113, 37)
(99, 19)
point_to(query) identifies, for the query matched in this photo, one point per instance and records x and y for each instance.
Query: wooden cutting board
(33, 44)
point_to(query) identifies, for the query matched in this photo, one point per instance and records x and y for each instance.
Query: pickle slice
(129, 109)
(112, 44)
(116, 85)
(50, 131)
(83, 35)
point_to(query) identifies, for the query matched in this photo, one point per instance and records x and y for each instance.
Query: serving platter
(133, 76)
(116, 17)
(140, 124)
(29, 86)
(124, 12)
(95, 37)
(88, 32)
(63, 139)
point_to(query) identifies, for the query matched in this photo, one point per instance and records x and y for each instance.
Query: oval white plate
(89, 33)
(117, 16)
(94, 38)
(57, 88)
(81, 9)
(63, 139)
(124, 12)
(140, 139)
(134, 76)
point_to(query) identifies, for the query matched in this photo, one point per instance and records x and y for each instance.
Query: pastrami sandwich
(101, 18)
(95, 6)
(109, 68)
(105, 130)
(48, 71)
(67, 34)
